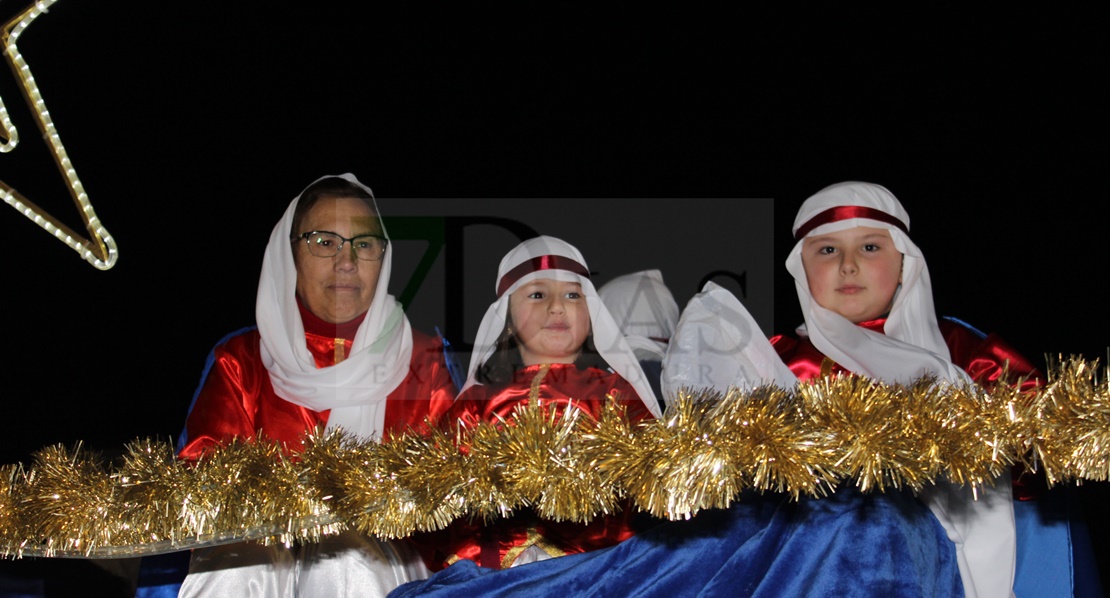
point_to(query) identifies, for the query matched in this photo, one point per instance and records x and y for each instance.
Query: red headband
(544, 262)
(844, 213)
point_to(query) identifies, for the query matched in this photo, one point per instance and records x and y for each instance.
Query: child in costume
(866, 296)
(547, 339)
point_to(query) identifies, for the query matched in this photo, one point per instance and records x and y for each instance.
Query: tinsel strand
(707, 450)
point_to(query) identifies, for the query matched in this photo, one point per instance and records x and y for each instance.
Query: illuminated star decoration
(100, 249)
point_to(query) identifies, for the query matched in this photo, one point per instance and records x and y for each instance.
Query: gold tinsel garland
(565, 465)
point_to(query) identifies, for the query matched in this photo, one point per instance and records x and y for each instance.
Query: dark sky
(192, 124)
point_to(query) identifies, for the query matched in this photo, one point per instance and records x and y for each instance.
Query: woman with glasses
(331, 349)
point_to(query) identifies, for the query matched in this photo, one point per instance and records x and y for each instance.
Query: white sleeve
(983, 531)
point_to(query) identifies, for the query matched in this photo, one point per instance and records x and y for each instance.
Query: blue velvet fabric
(1054, 553)
(160, 576)
(849, 544)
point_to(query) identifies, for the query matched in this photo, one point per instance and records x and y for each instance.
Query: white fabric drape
(349, 564)
(719, 345)
(644, 309)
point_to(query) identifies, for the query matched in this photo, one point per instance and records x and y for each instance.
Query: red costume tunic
(237, 400)
(982, 356)
(497, 544)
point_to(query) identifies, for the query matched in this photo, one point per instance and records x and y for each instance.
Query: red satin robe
(497, 544)
(983, 357)
(236, 398)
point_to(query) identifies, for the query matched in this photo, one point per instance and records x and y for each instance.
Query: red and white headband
(838, 213)
(536, 264)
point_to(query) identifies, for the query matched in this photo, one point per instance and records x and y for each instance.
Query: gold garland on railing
(565, 465)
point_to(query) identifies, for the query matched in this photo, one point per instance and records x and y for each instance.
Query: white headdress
(355, 390)
(912, 346)
(551, 258)
(719, 345)
(645, 310)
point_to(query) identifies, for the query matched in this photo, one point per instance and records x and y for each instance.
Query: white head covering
(912, 346)
(356, 389)
(719, 345)
(982, 529)
(645, 310)
(555, 259)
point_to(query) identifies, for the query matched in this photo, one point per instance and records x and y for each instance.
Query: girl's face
(550, 320)
(853, 272)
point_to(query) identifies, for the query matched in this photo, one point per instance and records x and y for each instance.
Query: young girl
(549, 322)
(867, 301)
(548, 339)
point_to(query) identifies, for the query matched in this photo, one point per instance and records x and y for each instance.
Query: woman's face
(337, 289)
(853, 272)
(550, 320)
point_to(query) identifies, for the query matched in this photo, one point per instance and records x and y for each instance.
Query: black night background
(192, 123)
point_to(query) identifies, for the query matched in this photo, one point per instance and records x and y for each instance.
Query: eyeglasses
(322, 243)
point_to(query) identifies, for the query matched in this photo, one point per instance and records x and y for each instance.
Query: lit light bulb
(100, 249)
